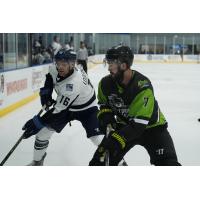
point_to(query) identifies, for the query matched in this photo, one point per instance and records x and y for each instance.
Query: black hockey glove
(46, 98)
(32, 127)
(105, 117)
(114, 144)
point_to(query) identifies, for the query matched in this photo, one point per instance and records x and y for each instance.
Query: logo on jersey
(69, 87)
(160, 151)
(143, 83)
(118, 106)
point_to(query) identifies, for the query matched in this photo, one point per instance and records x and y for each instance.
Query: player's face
(63, 68)
(113, 67)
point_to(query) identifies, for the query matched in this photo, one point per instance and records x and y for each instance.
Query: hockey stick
(107, 156)
(18, 141)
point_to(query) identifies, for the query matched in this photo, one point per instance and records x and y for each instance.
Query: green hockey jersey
(134, 105)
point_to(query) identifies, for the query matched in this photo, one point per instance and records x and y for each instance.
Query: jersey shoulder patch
(69, 87)
(143, 83)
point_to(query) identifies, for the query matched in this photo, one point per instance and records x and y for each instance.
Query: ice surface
(177, 89)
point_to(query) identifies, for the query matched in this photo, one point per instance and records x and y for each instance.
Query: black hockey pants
(158, 143)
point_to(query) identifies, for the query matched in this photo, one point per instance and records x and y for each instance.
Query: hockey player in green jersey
(128, 104)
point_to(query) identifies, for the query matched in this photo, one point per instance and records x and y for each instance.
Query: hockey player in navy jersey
(75, 100)
(128, 104)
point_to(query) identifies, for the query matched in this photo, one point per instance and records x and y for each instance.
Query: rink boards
(21, 86)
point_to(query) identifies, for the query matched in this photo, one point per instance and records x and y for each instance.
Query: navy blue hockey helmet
(65, 55)
(120, 53)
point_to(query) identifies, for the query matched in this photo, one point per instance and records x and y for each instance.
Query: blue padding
(37, 122)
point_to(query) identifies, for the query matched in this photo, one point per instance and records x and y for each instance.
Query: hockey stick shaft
(17, 143)
(107, 156)
(11, 151)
